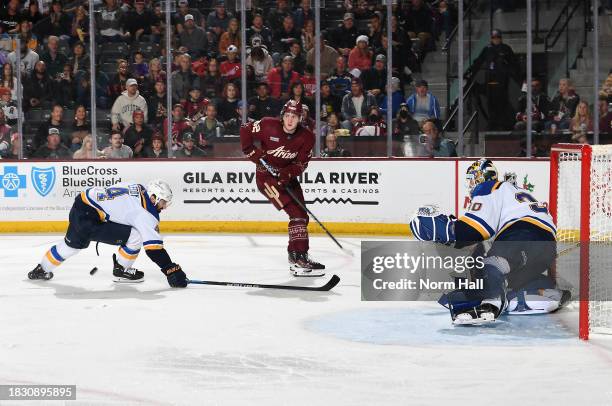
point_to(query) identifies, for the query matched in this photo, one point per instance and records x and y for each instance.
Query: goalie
(523, 248)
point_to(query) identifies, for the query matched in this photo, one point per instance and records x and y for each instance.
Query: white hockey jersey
(127, 204)
(495, 206)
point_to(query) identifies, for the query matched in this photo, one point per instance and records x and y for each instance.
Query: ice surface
(146, 344)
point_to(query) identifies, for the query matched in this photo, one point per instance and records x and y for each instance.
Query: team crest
(43, 180)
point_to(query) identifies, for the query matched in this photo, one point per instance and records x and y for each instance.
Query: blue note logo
(43, 180)
(12, 181)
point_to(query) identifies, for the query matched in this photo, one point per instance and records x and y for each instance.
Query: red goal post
(580, 202)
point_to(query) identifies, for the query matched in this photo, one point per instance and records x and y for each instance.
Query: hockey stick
(303, 207)
(328, 286)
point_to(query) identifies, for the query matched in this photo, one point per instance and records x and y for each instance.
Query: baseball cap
(183, 2)
(232, 48)
(421, 82)
(380, 57)
(53, 130)
(496, 34)
(362, 38)
(131, 82)
(356, 81)
(348, 16)
(188, 17)
(188, 136)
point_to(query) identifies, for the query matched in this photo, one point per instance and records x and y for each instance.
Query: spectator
(371, 125)
(230, 37)
(310, 82)
(303, 14)
(375, 33)
(194, 106)
(332, 148)
(26, 35)
(138, 134)
(500, 64)
(345, 37)
(329, 56)
(364, 9)
(356, 105)
(179, 125)
(261, 62)
(117, 84)
(330, 104)
(183, 11)
(212, 83)
(231, 68)
(32, 14)
(375, 78)
(86, 150)
(5, 136)
(157, 104)
(109, 21)
(435, 144)
(445, 17)
(422, 104)
(116, 149)
(189, 149)
(563, 105)
(155, 74)
(360, 57)
(259, 31)
(582, 121)
(277, 15)
(298, 93)
(157, 148)
(262, 105)
(80, 127)
(605, 122)
(183, 80)
(8, 106)
(9, 80)
(540, 106)
(282, 78)
(419, 23)
(140, 67)
(64, 88)
(228, 106)
(29, 59)
(331, 125)
(15, 147)
(208, 128)
(308, 36)
(285, 36)
(38, 90)
(55, 121)
(404, 124)
(192, 39)
(141, 21)
(79, 61)
(404, 59)
(218, 20)
(126, 104)
(397, 98)
(59, 23)
(299, 62)
(79, 29)
(53, 58)
(9, 16)
(53, 149)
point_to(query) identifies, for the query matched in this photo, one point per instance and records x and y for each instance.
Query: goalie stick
(324, 288)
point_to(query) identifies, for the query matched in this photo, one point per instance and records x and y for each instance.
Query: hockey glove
(176, 276)
(284, 177)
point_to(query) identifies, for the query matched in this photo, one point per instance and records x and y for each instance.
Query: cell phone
(423, 139)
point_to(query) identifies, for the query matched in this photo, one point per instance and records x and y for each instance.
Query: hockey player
(126, 215)
(523, 248)
(286, 149)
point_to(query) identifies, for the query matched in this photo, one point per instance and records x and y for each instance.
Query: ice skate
(126, 275)
(39, 273)
(300, 264)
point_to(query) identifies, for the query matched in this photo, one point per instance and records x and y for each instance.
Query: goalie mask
(480, 171)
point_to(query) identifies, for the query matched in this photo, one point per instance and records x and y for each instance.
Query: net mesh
(600, 220)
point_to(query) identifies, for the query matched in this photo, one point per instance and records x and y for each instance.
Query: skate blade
(300, 273)
(124, 280)
(485, 318)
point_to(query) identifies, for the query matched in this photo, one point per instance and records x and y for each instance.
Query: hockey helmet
(161, 190)
(480, 171)
(292, 106)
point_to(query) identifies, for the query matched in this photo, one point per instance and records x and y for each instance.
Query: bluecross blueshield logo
(12, 181)
(43, 180)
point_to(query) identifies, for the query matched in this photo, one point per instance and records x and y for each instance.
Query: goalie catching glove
(429, 225)
(176, 276)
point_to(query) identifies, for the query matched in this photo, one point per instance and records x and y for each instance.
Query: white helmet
(161, 190)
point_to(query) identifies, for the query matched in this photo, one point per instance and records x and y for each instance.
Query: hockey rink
(148, 344)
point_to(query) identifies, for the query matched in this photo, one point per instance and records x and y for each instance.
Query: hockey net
(581, 205)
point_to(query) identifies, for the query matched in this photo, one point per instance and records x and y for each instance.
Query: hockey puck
(93, 270)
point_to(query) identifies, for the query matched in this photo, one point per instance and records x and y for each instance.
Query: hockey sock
(128, 252)
(56, 255)
(298, 235)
